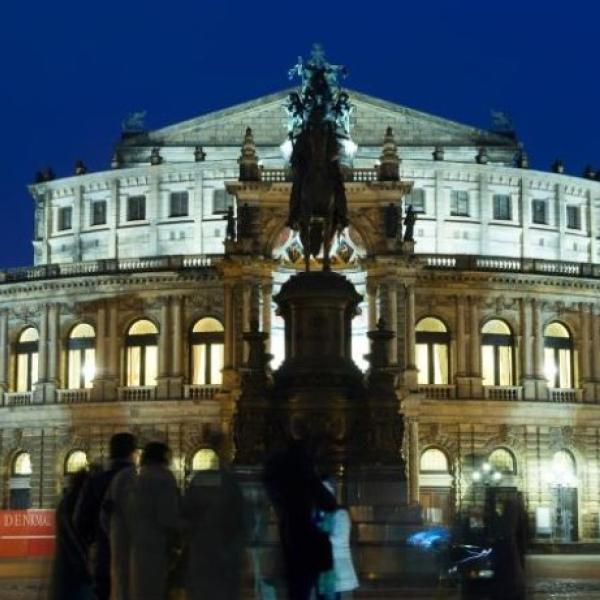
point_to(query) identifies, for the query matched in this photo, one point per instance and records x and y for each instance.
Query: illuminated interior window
(205, 460)
(76, 461)
(497, 352)
(142, 353)
(433, 461)
(558, 356)
(432, 351)
(207, 340)
(502, 460)
(27, 359)
(81, 356)
(22, 464)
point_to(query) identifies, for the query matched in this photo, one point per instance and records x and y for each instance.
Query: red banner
(26, 533)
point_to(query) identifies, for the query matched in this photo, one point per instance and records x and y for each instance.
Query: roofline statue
(318, 125)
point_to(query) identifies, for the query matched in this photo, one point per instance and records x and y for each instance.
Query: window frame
(207, 339)
(573, 210)
(537, 202)
(80, 344)
(459, 203)
(142, 341)
(174, 198)
(64, 218)
(133, 211)
(497, 213)
(430, 339)
(27, 349)
(93, 212)
(556, 344)
(418, 207)
(445, 471)
(227, 201)
(497, 341)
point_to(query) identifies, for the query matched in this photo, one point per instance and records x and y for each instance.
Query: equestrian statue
(318, 127)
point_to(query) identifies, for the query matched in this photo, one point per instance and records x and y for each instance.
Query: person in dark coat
(70, 576)
(213, 517)
(298, 495)
(86, 518)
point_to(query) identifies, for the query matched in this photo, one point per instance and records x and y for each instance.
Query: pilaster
(3, 352)
(413, 461)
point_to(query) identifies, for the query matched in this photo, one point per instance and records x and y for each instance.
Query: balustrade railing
(73, 396)
(138, 393)
(18, 398)
(502, 392)
(201, 392)
(438, 391)
(565, 395)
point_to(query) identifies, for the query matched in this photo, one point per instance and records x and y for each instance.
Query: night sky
(72, 70)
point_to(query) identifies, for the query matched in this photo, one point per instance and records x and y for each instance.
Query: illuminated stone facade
(496, 315)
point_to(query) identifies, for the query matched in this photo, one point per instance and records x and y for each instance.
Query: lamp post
(489, 477)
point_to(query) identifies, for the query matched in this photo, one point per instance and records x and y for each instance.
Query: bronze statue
(409, 224)
(317, 124)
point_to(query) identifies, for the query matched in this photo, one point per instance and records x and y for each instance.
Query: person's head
(156, 453)
(122, 446)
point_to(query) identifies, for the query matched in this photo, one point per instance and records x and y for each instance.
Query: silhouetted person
(70, 576)
(342, 577)
(87, 513)
(509, 580)
(153, 516)
(298, 495)
(213, 517)
(114, 519)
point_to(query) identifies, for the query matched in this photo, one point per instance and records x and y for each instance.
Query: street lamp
(486, 474)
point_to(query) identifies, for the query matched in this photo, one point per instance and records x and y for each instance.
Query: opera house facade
(131, 316)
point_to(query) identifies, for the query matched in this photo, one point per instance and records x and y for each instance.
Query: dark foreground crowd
(126, 533)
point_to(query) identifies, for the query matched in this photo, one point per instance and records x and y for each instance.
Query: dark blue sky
(72, 70)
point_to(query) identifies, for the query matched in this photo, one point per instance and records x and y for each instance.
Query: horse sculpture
(318, 197)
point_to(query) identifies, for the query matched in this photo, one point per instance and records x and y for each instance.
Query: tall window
(222, 200)
(205, 460)
(142, 353)
(207, 351)
(20, 482)
(433, 461)
(416, 199)
(497, 351)
(502, 461)
(539, 209)
(65, 218)
(81, 362)
(27, 359)
(76, 461)
(558, 356)
(98, 212)
(563, 469)
(502, 207)
(178, 204)
(432, 353)
(573, 217)
(459, 203)
(136, 208)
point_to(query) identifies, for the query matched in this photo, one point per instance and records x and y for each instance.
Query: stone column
(3, 353)
(267, 293)
(113, 353)
(113, 219)
(177, 341)
(41, 391)
(372, 303)
(463, 387)
(541, 385)
(585, 376)
(410, 371)
(475, 349)
(595, 325)
(527, 351)
(413, 461)
(53, 343)
(164, 339)
(100, 354)
(390, 289)
(229, 372)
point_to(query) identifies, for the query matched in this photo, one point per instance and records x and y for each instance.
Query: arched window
(564, 472)
(27, 359)
(76, 461)
(20, 482)
(503, 461)
(142, 353)
(205, 460)
(81, 363)
(558, 356)
(207, 351)
(432, 353)
(497, 352)
(433, 461)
